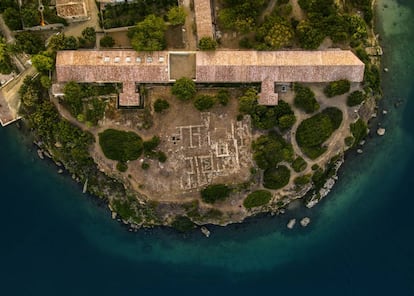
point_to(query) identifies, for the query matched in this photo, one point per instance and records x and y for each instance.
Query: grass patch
(257, 198)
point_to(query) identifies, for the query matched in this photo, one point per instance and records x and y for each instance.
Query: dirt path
(297, 12)
(189, 36)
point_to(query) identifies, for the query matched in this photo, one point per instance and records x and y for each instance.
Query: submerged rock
(291, 223)
(381, 131)
(305, 221)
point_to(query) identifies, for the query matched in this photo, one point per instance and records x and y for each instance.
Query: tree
(29, 43)
(120, 145)
(309, 36)
(216, 192)
(5, 62)
(12, 18)
(336, 88)
(207, 43)
(248, 101)
(46, 81)
(176, 15)
(355, 98)
(270, 150)
(184, 89)
(70, 43)
(223, 97)
(42, 62)
(204, 102)
(275, 32)
(73, 97)
(160, 105)
(107, 41)
(148, 35)
(276, 178)
(30, 17)
(305, 99)
(286, 121)
(89, 35)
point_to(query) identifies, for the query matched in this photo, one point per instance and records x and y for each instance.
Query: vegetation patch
(160, 105)
(314, 131)
(336, 88)
(266, 117)
(120, 145)
(355, 98)
(149, 34)
(257, 198)
(276, 178)
(207, 43)
(204, 102)
(183, 224)
(271, 149)
(359, 130)
(184, 89)
(216, 192)
(305, 99)
(299, 164)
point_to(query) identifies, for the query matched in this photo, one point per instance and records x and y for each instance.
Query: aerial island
(192, 112)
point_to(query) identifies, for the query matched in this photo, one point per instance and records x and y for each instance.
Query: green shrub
(299, 164)
(336, 88)
(160, 105)
(204, 102)
(176, 15)
(300, 181)
(184, 89)
(121, 166)
(314, 131)
(207, 43)
(223, 97)
(183, 224)
(107, 41)
(257, 198)
(145, 165)
(150, 145)
(216, 192)
(359, 130)
(120, 145)
(355, 98)
(269, 150)
(276, 178)
(349, 141)
(305, 99)
(162, 157)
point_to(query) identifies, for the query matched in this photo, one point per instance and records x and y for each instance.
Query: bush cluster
(305, 99)
(257, 198)
(276, 178)
(314, 131)
(336, 88)
(216, 192)
(120, 145)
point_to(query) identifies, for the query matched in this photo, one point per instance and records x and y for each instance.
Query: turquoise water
(56, 241)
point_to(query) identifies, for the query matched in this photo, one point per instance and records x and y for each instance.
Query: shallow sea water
(57, 241)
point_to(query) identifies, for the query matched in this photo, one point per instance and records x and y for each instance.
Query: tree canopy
(149, 34)
(176, 15)
(120, 145)
(184, 89)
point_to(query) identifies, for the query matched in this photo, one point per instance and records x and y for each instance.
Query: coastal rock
(40, 153)
(291, 223)
(305, 221)
(359, 151)
(386, 70)
(381, 131)
(384, 112)
(113, 215)
(60, 171)
(205, 231)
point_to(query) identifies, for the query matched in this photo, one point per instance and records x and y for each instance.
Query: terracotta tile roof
(204, 22)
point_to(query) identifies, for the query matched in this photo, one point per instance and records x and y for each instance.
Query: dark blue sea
(56, 241)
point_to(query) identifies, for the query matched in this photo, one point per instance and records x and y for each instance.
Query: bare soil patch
(182, 65)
